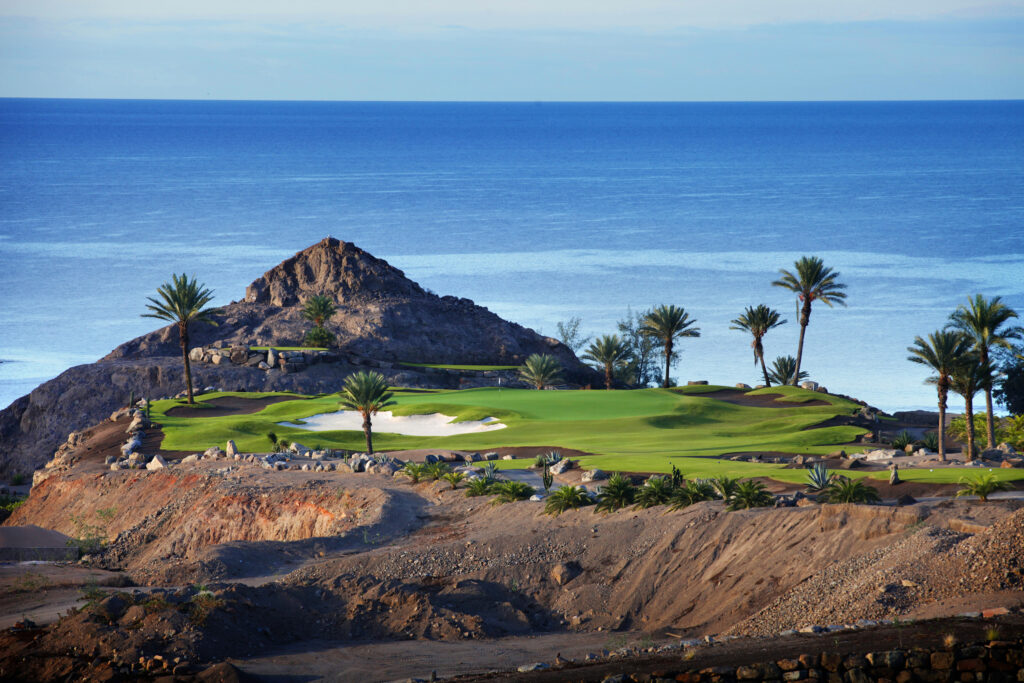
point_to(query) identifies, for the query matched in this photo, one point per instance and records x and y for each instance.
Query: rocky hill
(383, 317)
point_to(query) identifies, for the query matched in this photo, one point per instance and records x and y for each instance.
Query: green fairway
(646, 430)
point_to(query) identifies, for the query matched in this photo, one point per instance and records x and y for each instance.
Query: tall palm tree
(943, 352)
(966, 380)
(181, 302)
(541, 369)
(366, 392)
(784, 371)
(666, 324)
(984, 321)
(610, 352)
(811, 280)
(319, 309)
(757, 320)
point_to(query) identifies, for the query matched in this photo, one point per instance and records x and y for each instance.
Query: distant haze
(523, 50)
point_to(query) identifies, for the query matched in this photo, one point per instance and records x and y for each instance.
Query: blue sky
(521, 50)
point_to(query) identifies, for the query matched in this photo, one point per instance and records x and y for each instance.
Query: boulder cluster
(285, 361)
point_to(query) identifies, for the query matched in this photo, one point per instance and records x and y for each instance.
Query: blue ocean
(539, 211)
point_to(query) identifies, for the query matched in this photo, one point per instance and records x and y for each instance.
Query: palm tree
(366, 392)
(666, 324)
(812, 280)
(610, 352)
(181, 302)
(757, 320)
(966, 380)
(784, 371)
(319, 309)
(541, 369)
(984, 321)
(943, 352)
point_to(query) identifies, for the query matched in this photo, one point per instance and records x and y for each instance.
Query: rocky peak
(332, 268)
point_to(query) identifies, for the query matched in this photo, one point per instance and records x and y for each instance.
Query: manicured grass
(646, 430)
(288, 348)
(460, 367)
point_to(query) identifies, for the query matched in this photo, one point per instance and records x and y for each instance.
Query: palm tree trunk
(668, 358)
(805, 319)
(183, 337)
(368, 431)
(608, 376)
(990, 425)
(759, 352)
(969, 416)
(942, 423)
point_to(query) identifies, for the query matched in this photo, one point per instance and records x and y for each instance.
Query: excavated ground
(284, 571)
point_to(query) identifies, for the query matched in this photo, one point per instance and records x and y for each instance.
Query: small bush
(8, 505)
(566, 498)
(725, 487)
(18, 478)
(930, 441)
(201, 605)
(902, 440)
(478, 487)
(982, 486)
(655, 491)
(511, 491)
(453, 478)
(436, 470)
(750, 494)
(318, 337)
(547, 459)
(846, 490)
(689, 493)
(491, 472)
(415, 471)
(818, 477)
(616, 494)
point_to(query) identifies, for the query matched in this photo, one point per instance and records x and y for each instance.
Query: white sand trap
(434, 424)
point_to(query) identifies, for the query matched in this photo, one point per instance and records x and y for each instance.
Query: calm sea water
(538, 211)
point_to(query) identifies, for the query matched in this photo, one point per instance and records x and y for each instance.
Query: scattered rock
(231, 450)
(564, 572)
(594, 475)
(157, 463)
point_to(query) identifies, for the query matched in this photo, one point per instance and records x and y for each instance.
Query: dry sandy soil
(296, 575)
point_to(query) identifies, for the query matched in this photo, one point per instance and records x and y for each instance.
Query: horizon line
(511, 101)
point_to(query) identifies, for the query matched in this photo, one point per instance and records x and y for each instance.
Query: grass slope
(646, 430)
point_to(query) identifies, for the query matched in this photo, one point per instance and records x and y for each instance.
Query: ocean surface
(540, 212)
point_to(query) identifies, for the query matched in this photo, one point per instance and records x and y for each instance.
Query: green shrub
(566, 498)
(818, 477)
(478, 487)
(655, 491)
(415, 471)
(548, 459)
(491, 472)
(930, 441)
(846, 490)
(318, 337)
(18, 478)
(750, 494)
(902, 440)
(511, 491)
(691, 492)
(8, 504)
(617, 493)
(436, 470)
(453, 478)
(982, 486)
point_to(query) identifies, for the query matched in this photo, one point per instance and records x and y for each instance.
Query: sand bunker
(434, 424)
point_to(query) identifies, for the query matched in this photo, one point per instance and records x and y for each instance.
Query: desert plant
(478, 487)
(676, 477)
(318, 309)
(666, 324)
(758, 320)
(810, 280)
(725, 487)
(846, 490)
(609, 353)
(366, 392)
(902, 440)
(943, 352)
(453, 478)
(750, 494)
(490, 472)
(984, 322)
(818, 477)
(511, 491)
(656, 490)
(182, 301)
(617, 493)
(547, 478)
(930, 440)
(784, 371)
(982, 486)
(436, 470)
(691, 492)
(541, 369)
(415, 471)
(547, 459)
(566, 498)
(318, 337)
